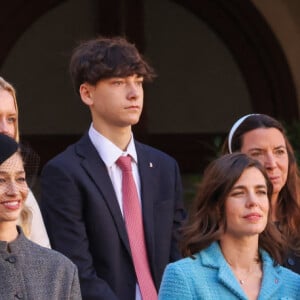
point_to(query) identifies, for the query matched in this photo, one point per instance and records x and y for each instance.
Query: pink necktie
(135, 230)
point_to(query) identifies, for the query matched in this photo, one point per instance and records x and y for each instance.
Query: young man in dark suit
(82, 196)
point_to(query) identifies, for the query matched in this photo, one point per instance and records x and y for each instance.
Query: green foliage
(192, 180)
(190, 184)
(293, 134)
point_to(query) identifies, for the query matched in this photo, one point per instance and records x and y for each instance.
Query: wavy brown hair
(207, 221)
(288, 203)
(104, 57)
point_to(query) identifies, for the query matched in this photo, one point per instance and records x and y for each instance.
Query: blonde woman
(30, 218)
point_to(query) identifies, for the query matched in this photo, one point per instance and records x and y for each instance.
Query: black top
(292, 262)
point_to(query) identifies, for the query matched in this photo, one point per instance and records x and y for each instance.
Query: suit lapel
(147, 176)
(95, 167)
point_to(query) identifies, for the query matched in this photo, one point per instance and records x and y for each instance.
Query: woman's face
(13, 188)
(267, 145)
(247, 205)
(8, 114)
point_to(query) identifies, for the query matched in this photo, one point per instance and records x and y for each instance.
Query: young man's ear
(86, 93)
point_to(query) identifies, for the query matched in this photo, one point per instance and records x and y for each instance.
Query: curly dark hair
(102, 58)
(207, 221)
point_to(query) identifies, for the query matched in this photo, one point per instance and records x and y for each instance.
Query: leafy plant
(293, 134)
(192, 180)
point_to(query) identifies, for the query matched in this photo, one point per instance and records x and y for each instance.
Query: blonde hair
(4, 85)
(25, 218)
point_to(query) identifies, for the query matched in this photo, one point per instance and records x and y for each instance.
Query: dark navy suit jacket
(84, 220)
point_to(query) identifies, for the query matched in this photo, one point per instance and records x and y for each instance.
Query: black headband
(8, 147)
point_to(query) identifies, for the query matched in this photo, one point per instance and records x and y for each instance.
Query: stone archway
(255, 49)
(16, 16)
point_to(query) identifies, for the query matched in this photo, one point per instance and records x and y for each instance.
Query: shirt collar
(107, 150)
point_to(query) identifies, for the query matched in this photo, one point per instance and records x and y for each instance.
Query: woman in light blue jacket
(232, 250)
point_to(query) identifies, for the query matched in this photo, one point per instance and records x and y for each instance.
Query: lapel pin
(150, 165)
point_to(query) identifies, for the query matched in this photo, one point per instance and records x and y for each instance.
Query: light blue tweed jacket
(209, 277)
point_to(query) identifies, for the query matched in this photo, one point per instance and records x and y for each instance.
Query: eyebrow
(18, 172)
(243, 186)
(260, 149)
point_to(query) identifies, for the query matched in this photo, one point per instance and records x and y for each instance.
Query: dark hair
(288, 204)
(103, 58)
(207, 222)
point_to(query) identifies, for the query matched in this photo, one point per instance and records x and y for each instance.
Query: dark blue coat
(84, 220)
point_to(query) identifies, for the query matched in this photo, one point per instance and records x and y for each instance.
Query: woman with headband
(30, 218)
(264, 138)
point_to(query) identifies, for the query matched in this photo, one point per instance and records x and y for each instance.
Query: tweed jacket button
(290, 261)
(19, 296)
(11, 259)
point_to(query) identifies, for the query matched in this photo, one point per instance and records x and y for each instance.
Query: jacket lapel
(147, 176)
(271, 282)
(212, 257)
(227, 278)
(95, 167)
(271, 279)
